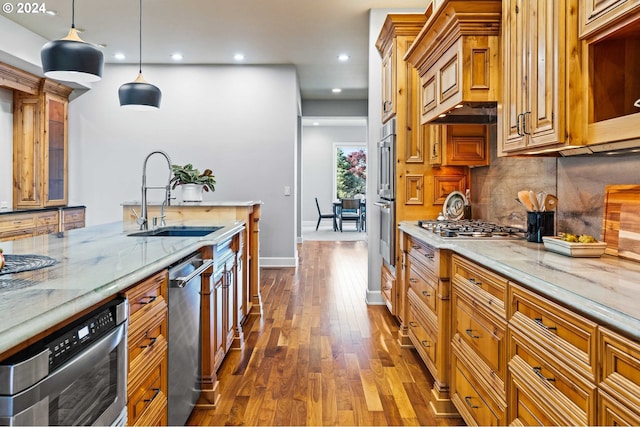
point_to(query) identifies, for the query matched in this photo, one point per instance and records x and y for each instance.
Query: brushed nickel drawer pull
(470, 333)
(473, 281)
(413, 324)
(430, 255)
(413, 280)
(149, 298)
(538, 371)
(426, 294)
(467, 400)
(152, 341)
(157, 392)
(425, 344)
(538, 320)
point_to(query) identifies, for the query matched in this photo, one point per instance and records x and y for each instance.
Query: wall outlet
(287, 190)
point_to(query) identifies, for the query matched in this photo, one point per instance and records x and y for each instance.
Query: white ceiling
(306, 33)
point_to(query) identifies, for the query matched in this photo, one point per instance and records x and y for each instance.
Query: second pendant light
(138, 94)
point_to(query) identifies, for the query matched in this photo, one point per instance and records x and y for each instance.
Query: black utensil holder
(540, 224)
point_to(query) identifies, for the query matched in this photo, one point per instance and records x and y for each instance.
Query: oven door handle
(383, 205)
(54, 384)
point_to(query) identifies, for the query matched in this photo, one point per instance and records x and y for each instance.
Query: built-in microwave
(75, 376)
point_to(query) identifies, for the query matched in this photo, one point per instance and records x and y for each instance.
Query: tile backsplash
(579, 182)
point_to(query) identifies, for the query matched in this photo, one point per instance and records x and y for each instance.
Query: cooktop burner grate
(470, 229)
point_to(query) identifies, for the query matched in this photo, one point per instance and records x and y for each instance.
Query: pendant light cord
(73, 13)
(140, 27)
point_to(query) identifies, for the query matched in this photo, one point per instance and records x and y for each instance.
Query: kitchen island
(514, 334)
(94, 263)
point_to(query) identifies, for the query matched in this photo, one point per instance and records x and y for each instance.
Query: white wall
(240, 121)
(317, 164)
(6, 146)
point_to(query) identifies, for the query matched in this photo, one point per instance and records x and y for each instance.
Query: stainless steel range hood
(481, 113)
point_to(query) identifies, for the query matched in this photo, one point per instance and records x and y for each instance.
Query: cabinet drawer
(486, 337)
(423, 338)
(482, 285)
(425, 286)
(47, 229)
(556, 330)
(620, 368)
(143, 394)
(146, 331)
(73, 215)
(387, 282)
(17, 234)
(472, 400)
(423, 254)
(611, 412)
(143, 295)
(559, 390)
(156, 413)
(13, 222)
(47, 218)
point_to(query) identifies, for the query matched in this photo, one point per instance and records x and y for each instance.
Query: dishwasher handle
(181, 282)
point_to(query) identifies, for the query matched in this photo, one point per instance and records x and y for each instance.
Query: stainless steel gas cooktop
(471, 229)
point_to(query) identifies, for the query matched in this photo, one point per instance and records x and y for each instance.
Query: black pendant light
(72, 59)
(139, 95)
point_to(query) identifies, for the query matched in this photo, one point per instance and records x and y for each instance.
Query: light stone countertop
(604, 289)
(94, 263)
(203, 203)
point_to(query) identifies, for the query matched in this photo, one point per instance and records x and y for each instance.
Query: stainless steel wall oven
(387, 191)
(75, 376)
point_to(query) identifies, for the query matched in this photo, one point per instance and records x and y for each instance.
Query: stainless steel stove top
(471, 229)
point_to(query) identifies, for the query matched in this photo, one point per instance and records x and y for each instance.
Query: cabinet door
(55, 155)
(388, 86)
(27, 152)
(534, 50)
(219, 304)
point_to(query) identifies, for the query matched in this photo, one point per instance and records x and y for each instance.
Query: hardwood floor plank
(319, 355)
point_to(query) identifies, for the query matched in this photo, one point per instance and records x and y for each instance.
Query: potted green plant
(192, 181)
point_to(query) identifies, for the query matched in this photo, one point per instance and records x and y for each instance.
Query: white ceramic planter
(191, 192)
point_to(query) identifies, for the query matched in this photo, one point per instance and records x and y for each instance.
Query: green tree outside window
(351, 175)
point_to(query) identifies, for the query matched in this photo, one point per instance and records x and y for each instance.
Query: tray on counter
(574, 249)
(19, 263)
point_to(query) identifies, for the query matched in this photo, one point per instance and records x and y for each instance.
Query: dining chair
(322, 216)
(351, 210)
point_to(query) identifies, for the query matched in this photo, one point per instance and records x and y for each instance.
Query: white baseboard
(374, 298)
(275, 262)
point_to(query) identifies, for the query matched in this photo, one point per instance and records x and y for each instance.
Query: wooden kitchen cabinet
(479, 343)
(611, 69)
(542, 96)
(17, 225)
(619, 382)
(596, 15)
(72, 218)
(40, 147)
(427, 306)
(459, 145)
(147, 377)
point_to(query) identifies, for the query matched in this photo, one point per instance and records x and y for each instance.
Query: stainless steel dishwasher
(185, 280)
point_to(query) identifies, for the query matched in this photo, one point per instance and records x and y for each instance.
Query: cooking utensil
(550, 202)
(534, 200)
(541, 197)
(523, 198)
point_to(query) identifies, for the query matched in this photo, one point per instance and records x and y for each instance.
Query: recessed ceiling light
(336, 90)
(238, 57)
(343, 57)
(176, 56)
(51, 12)
(119, 56)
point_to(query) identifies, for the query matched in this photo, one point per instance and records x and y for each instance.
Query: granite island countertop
(94, 263)
(603, 289)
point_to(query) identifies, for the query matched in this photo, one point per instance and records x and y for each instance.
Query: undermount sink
(177, 231)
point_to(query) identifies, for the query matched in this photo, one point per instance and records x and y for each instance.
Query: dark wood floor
(319, 355)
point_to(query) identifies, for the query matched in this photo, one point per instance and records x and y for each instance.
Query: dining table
(337, 210)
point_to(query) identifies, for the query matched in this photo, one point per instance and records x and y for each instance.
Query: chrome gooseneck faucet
(143, 220)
